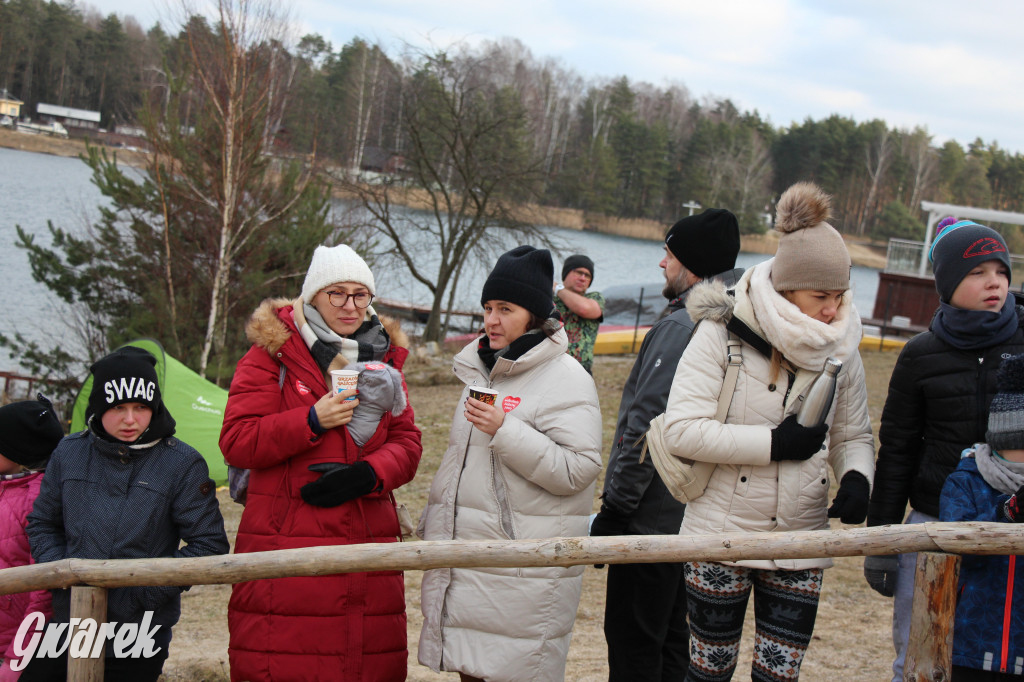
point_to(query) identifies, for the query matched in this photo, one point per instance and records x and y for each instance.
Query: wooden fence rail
(951, 538)
(928, 657)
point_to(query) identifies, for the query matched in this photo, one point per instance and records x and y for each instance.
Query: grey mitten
(881, 572)
(379, 390)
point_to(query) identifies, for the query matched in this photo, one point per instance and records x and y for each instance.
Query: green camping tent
(196, 404)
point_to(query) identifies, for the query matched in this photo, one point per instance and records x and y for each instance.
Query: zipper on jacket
(501, 497)
(789, 387)
(1012, 567)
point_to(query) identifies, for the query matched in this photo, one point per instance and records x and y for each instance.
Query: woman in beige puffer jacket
(525, 468)
(792, 313)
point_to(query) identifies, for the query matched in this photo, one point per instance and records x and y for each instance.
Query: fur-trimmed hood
(266, 329)
(710, 300)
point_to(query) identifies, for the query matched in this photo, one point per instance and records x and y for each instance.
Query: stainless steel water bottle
(819, 399)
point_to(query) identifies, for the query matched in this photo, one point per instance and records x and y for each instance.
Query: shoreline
(862, 252)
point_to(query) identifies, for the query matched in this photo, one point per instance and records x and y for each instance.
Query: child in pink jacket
(29, 431)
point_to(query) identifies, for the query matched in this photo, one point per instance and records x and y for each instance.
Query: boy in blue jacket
(124, 488)
(988, 485)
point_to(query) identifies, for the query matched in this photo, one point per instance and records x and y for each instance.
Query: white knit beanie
(332, 264)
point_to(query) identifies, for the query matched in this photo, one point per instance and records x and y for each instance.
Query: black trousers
(645, 623)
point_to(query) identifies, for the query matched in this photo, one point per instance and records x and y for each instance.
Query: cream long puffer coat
(747, 491)
(533, 479)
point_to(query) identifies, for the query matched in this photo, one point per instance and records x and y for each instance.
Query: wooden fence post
(930, 648)
(87, 602)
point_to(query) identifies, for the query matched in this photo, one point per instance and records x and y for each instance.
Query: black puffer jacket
(937, 406)
(632, 487)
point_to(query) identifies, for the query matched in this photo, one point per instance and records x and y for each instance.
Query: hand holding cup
(335, 409)
(481, 410)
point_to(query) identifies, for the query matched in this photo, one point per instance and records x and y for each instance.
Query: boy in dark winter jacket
(125, 489)
(988, 485)
(939, 397)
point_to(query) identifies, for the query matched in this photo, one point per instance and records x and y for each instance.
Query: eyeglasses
(339, 298)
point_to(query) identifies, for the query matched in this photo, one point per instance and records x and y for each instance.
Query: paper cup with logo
(344, 379)
(483, 394)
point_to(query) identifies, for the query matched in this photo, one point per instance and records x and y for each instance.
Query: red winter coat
(16, 498)
(341, 627)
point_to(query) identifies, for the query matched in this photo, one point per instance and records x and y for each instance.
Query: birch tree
(213, 223)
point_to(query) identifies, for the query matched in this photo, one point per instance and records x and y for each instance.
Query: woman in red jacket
(313, 484)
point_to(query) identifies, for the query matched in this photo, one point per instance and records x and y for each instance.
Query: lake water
(36, 188)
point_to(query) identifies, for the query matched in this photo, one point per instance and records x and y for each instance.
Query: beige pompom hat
(811, 253)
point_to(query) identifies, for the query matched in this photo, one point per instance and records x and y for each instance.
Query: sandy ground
(851, 640)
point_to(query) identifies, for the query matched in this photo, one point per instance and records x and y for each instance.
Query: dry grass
(851, 640)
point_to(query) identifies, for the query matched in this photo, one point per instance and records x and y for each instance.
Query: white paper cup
(344, 379)
(483, 394)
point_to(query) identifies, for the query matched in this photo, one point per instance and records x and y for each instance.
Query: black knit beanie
(128, 375)
(961, 246)
(1006, 414)
(29, 432)
(707, 243)
(523, 276)
(578, 261)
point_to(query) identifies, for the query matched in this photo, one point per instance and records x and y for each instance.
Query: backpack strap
(732, 374)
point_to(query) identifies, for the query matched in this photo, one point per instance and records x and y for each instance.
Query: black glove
(851, 502)
(1013, 508)
(881, 572)
(792, 441)
(608, 522)
(339, 483)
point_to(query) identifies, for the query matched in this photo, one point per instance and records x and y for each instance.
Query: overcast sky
(953, 67)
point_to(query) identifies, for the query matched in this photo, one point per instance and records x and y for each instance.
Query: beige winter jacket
(533, 479)
(748, 492)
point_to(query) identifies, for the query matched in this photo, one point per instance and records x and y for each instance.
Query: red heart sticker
(510, 403)
(376, 366)
(302, 388)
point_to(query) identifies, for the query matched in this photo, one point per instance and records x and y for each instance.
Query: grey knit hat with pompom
(811, 253)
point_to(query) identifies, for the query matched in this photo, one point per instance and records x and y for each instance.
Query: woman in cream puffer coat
(792, 313)
(533, 477)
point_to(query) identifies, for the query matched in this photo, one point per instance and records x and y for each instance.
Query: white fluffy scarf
(804, 341)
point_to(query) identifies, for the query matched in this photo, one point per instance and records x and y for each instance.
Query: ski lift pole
(636, 323)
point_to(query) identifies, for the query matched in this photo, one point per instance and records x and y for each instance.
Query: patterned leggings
(785, 605)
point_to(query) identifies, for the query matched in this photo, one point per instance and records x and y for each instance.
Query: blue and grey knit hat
(959, 246)
(1006, 414)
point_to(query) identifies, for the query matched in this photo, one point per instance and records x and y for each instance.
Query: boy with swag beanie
(523, 276)
(128, 375)
(960, 246)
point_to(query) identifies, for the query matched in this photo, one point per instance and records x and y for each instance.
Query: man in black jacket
(645, 610)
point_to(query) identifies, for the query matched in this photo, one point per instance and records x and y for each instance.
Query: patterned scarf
(1003, 475)
(369, 342)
